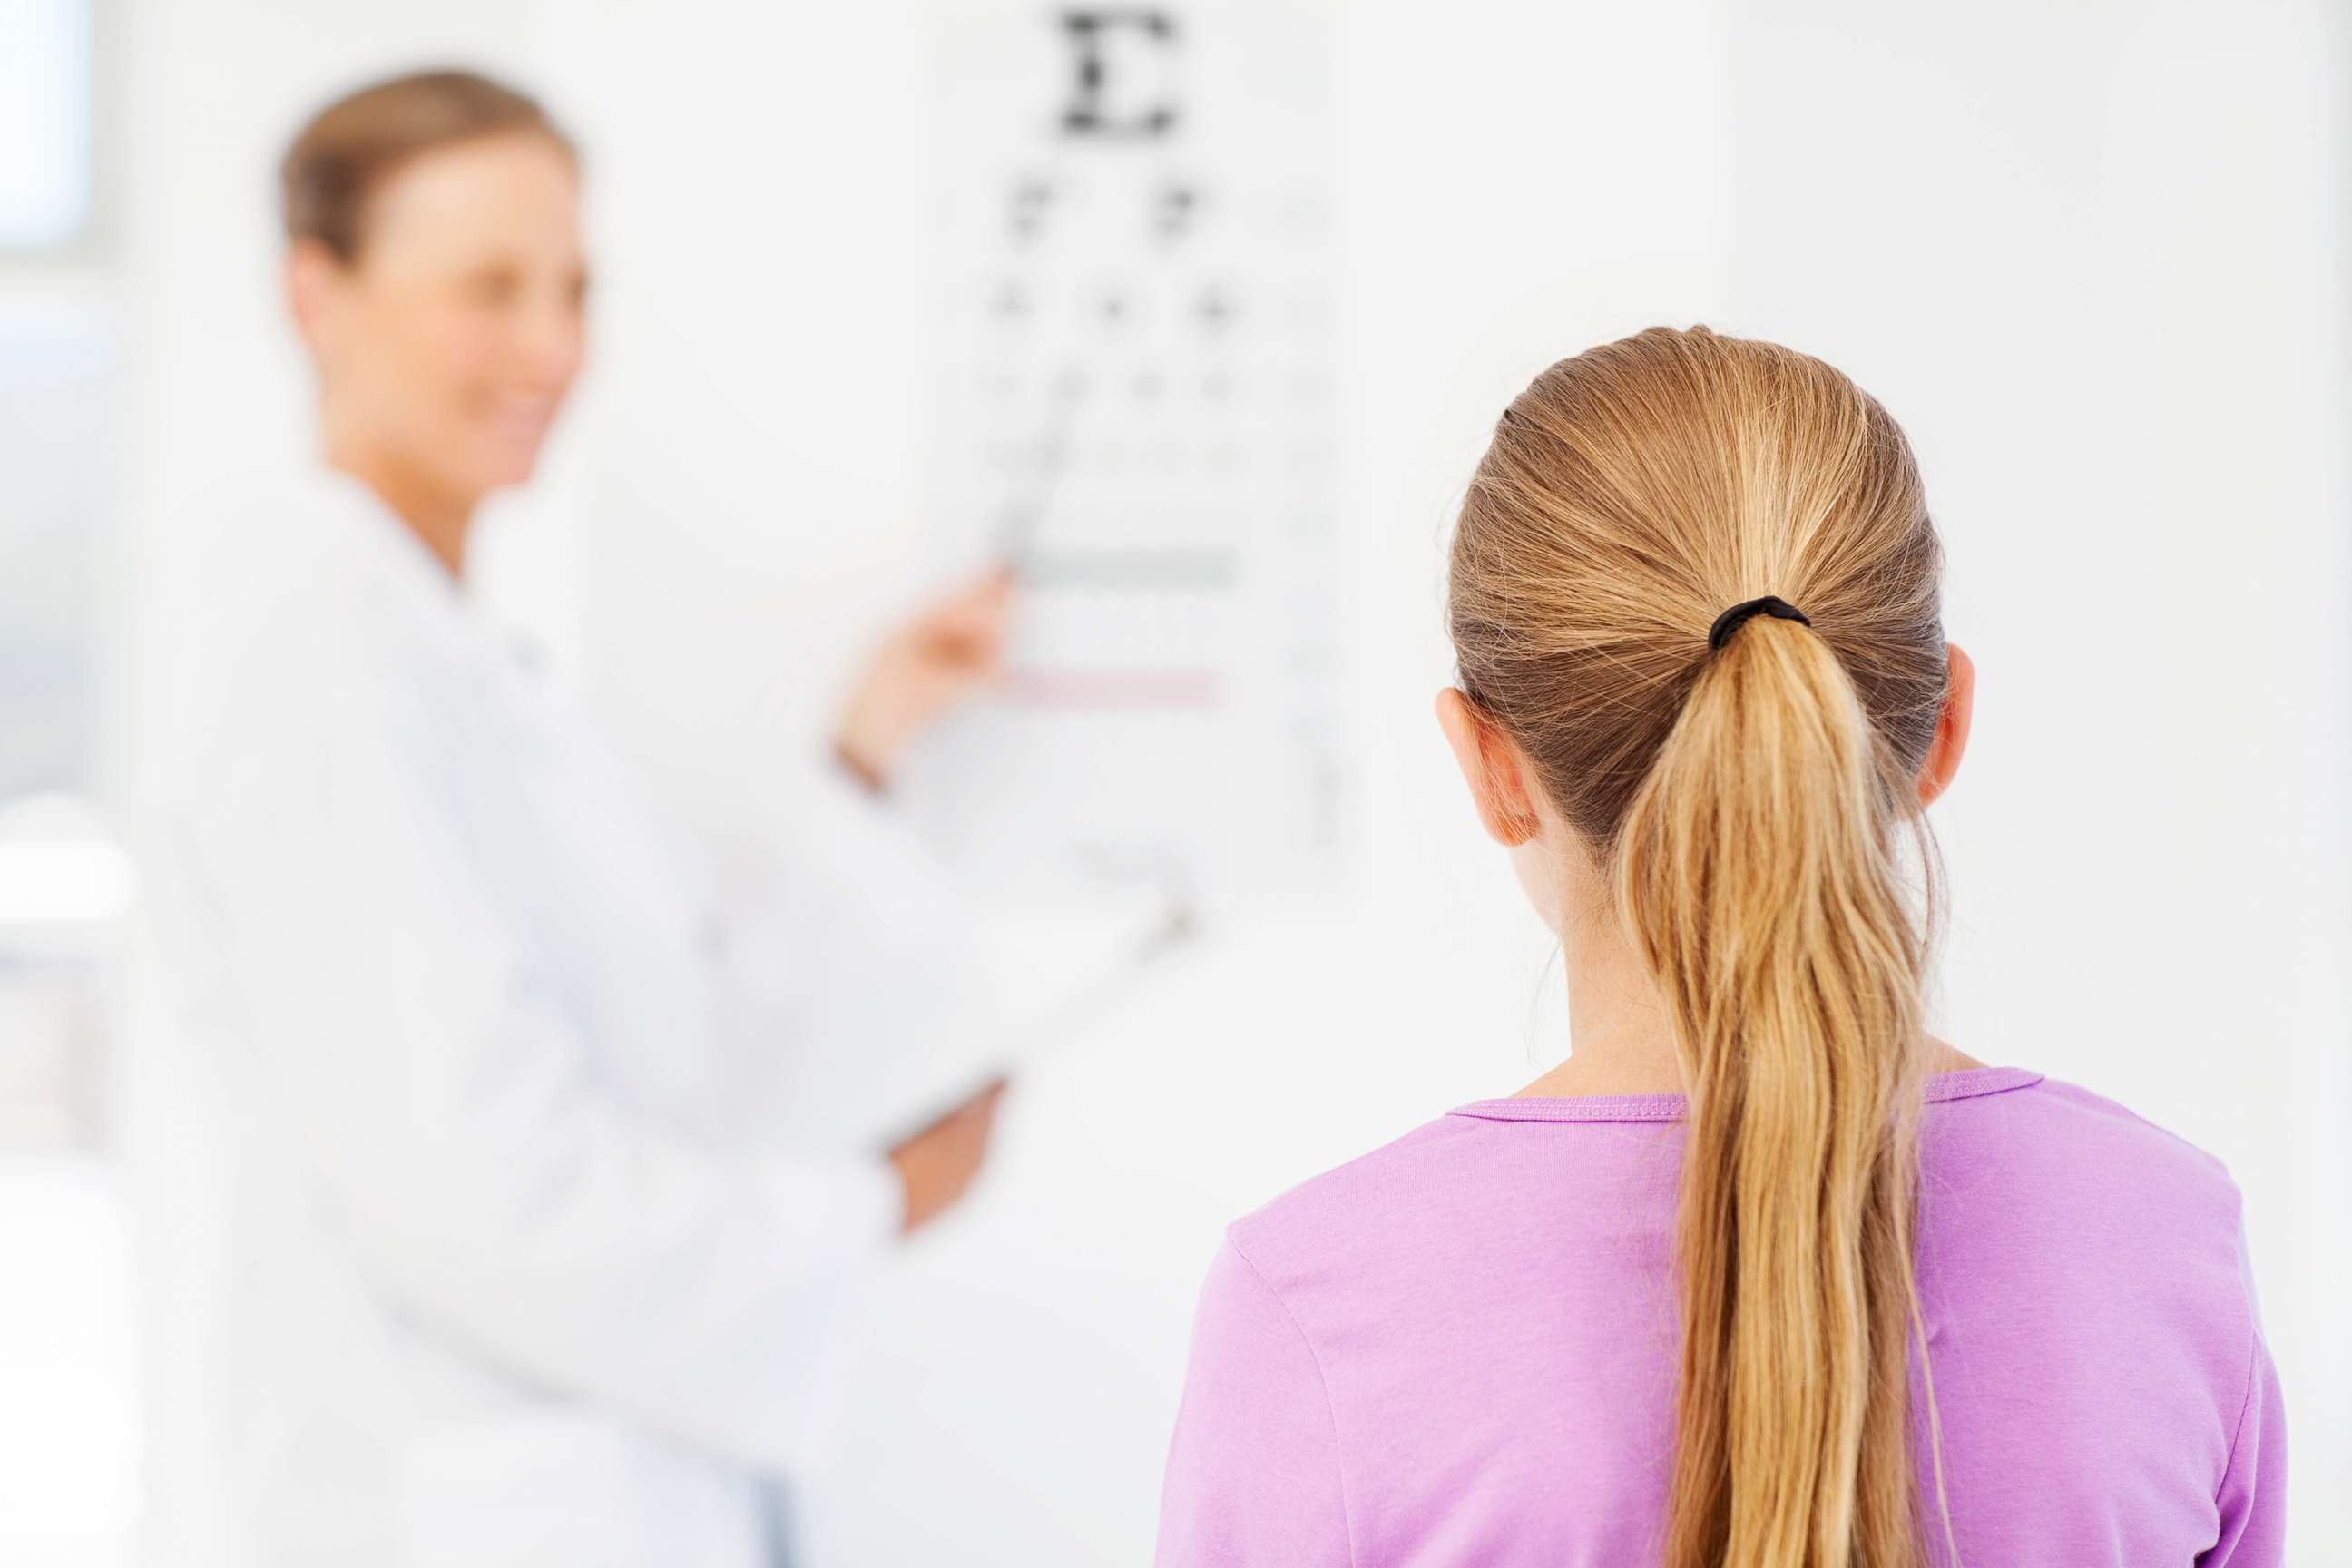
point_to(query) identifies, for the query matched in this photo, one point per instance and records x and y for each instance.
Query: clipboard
(1059, 970)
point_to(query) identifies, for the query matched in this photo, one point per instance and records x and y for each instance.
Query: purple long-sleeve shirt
(1461, 1349)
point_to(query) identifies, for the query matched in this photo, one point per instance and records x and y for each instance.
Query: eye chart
(1137, 241)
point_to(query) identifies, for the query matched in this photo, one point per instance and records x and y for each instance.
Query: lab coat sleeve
(485, 1180)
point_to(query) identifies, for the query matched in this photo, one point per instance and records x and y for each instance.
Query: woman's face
(449, 345)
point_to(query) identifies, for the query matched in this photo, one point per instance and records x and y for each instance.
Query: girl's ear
(1493, 768)
(1951, 726)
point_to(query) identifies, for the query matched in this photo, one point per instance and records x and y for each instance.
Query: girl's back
(1462, 1348)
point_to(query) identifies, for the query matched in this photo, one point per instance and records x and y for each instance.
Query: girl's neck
(1618, 1069)
(1624, 1043)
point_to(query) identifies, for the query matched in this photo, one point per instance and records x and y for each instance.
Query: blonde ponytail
(1745, 803)
(1753, 882)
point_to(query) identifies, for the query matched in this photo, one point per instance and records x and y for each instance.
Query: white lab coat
(512, 1272)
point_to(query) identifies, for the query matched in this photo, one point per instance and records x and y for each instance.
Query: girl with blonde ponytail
(1764, 1275)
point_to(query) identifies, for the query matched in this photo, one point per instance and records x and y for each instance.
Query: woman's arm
(947, 652)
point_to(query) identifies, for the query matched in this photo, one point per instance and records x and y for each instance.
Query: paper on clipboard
(1041, 975)
(862, 990)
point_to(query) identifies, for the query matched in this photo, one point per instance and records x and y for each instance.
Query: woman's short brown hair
(350, 147)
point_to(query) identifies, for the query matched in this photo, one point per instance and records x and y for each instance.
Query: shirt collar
(387, 550)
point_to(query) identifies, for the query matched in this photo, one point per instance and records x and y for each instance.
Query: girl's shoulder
(2065, 1137)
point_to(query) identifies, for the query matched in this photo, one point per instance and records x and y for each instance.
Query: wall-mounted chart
(1137, 244)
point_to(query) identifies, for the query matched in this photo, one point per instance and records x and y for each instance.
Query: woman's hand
(945, 653)
(938, 1163)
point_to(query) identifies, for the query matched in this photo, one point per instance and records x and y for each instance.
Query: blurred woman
(1763, 1275)
(516, 1275)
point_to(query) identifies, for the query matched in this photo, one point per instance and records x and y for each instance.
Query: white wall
(2091, 256)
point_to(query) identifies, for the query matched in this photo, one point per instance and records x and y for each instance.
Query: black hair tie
(1733, 618)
